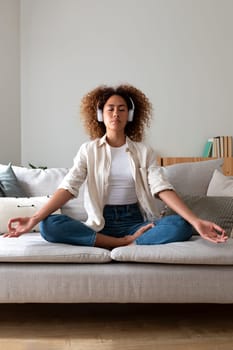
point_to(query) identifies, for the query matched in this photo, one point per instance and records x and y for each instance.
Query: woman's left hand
(210, 231)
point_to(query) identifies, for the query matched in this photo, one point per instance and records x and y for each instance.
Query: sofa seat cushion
(195, 251)
(31, 247)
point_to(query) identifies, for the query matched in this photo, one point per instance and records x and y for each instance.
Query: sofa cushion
(39, 182)
(17, 207)
(9, 184)
(220, 185)
(192, 178)
(31, 247)
(215, 209)
(195, 251)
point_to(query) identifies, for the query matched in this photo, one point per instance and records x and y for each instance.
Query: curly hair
(98, 97)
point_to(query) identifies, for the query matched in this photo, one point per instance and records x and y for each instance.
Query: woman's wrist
(35, 219)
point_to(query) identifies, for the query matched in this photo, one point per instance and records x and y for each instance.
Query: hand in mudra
(210, 231)
(19, 226)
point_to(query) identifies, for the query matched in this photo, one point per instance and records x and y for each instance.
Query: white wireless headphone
(130, 115)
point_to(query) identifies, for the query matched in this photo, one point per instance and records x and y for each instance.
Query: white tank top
(121, 183)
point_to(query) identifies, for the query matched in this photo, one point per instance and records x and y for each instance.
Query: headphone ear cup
(131, 111)
(130, 115)
(99, 115)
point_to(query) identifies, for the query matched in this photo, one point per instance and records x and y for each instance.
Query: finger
(221, 237)
(149, 225)
(214, 239)
(210, 239)
(12, 222)
(11, 235)
(219, 229)
(146, 227)
(142, 229)
(5, 234)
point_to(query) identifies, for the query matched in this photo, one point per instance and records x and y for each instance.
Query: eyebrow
(112, 105)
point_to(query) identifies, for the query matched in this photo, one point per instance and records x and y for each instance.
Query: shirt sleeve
(156, 176)
(158, 181)
(77, 174)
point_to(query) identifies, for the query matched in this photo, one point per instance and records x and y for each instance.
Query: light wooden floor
(113, 327)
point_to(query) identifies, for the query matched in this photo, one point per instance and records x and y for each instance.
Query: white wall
(179, 52)
(9, 82)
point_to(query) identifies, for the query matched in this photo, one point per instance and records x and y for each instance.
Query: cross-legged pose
(121, 181)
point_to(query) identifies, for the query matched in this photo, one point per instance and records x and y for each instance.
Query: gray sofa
(35, 271)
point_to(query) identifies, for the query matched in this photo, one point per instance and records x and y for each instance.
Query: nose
(115, 112)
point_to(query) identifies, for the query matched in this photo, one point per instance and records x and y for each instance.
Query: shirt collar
(102, 141)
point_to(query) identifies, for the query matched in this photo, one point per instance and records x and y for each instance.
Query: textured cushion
(192, 178)
(9, 185)
(216, 209)
(16, 207)
(220, 185)
(38, 182)
(31, 247)
(194, 251)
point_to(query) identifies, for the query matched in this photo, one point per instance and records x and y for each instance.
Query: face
(115, 113)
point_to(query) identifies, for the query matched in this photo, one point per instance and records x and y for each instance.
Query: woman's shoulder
(86, 149)
(89, 145)
(140, 145)
(143, 150)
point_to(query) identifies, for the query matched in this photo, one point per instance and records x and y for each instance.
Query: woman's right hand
(19, 226)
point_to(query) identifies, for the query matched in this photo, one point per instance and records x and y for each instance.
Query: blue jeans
(120, 220)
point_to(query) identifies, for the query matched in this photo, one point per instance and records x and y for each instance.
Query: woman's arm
(208, 230)
(21, 225)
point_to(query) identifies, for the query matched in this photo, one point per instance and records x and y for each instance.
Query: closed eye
(121, 108)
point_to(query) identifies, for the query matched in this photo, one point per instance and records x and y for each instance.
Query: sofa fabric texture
(115, 283)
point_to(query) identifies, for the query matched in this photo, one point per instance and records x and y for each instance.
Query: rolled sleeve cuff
(73, 191)
(163, 188)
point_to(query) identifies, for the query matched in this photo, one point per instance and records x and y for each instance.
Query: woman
(121, 181)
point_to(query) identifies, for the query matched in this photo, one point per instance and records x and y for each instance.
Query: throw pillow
(17, 207)
(215, 209)
(220, 185)
(9, 185)
(38, 182)
(192, 178)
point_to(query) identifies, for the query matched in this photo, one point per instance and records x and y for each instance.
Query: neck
(116, 140)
